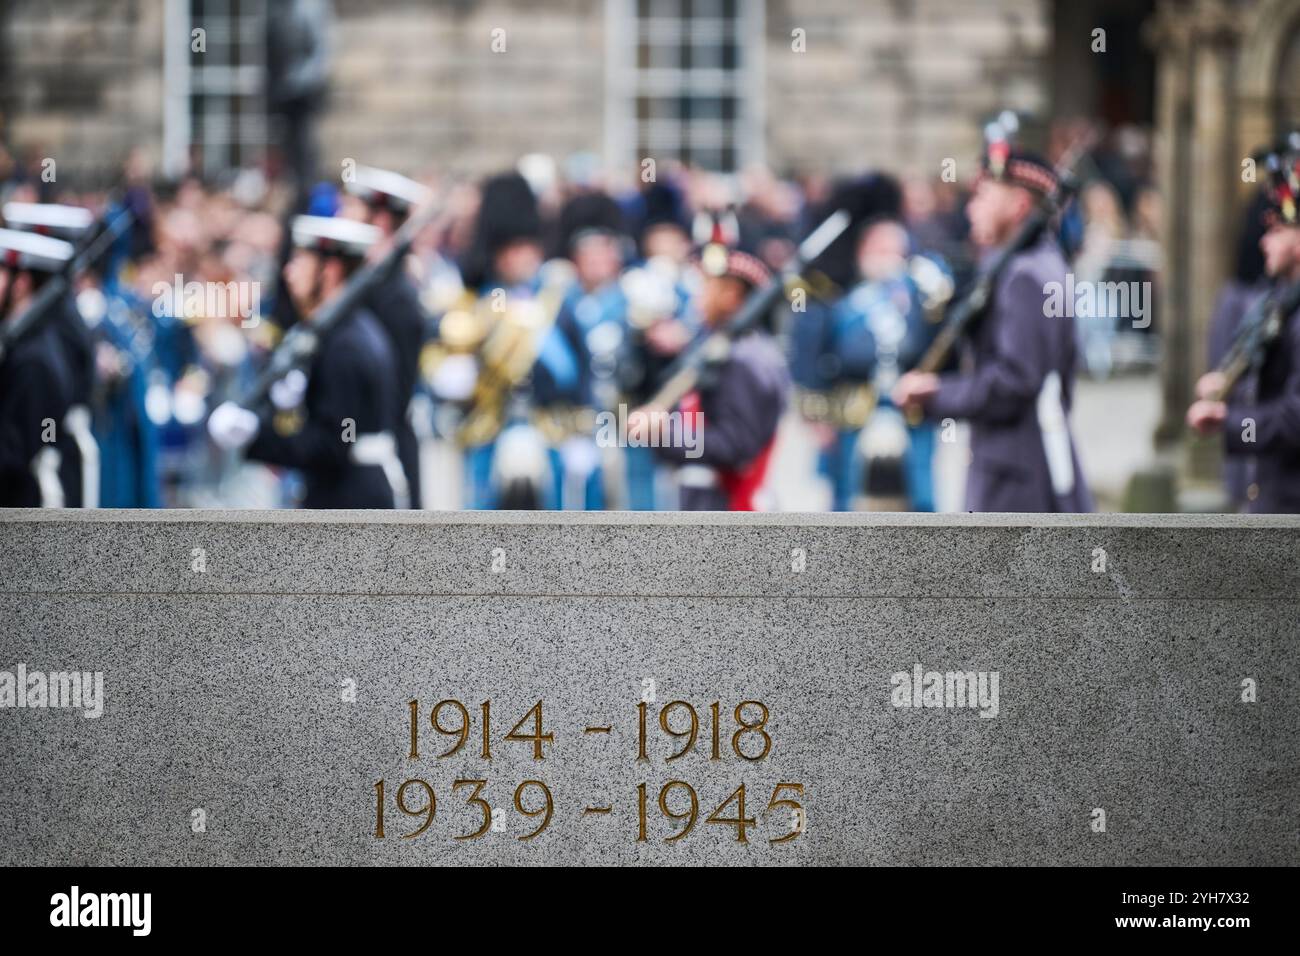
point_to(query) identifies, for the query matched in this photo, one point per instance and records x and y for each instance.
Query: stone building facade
(81, 81)
(826, 85)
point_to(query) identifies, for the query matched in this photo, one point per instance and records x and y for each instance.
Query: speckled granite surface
(229, 693)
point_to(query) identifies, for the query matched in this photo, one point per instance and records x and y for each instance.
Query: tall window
(216, 114)
(685, 81)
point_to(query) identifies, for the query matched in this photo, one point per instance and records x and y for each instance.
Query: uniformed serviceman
(594, 311)
(659, 292)
(504, 366)
(394, 300)
(342, 437)
(832, 343)
(593, 321)
(1018, 394)
(35, 382)
(78, 449)
(1260, 415)
(1241, 293)
(879, 331)
(125, 365)
(723, 441)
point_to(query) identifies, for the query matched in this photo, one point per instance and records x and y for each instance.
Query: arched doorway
(1268, 94)
(1287, 113)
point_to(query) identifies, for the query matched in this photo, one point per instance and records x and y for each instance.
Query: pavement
(1113, 421)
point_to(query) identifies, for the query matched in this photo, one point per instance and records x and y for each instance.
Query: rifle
(41, 304)
(1259, 329)
(975, 303)
(301, 343)
(684, 373)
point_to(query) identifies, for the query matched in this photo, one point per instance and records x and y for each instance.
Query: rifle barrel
(38, 309)
(682, 375)
(968, 309)
(1260, 327)
(299, 346)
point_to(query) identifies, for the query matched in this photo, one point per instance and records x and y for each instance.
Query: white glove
(287, 393)
(454, 378)
(232, 426)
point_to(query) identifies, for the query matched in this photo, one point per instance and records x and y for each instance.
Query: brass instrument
(504, 335)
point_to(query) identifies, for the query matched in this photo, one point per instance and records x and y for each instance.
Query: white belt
(1055, 430)
(697, 476)
(380, 449)
(77, 423)
(45, 469)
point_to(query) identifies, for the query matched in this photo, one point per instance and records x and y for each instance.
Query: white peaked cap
(344, 237)
(51, 219)
(30, 250)
(384, 187)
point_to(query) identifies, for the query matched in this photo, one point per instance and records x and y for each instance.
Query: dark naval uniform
(338, 429)
(350, 378)
(396, 304)
(35, 388)
(78, 451)
(1019, 395)
(79, 353)
(35, 382)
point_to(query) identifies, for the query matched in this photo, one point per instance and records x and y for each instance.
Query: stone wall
(82, 81)
(879, 84)
(416, 82)
(258, 668)
(899, 85)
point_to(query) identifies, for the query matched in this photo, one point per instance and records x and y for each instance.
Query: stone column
(1170, 35)
(1211, 203)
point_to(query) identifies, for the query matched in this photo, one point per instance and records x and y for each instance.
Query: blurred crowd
(187, 306)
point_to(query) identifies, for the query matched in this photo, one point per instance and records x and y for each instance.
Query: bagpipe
(969, 309)
(91, 249)
(301, 343)
(684, 373)
(1260, 327)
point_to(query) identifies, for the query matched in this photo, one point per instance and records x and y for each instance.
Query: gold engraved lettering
(537, 736)
(757, 727)
(478, 801)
